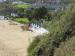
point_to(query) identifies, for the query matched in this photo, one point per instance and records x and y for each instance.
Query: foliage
(6, 8)
(39, 13)
(60, 27)
(22, 20)
(23, 6)
(36, 40)
(29, 13)
(66, 48)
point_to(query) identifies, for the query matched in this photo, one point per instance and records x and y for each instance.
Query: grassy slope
(67, 48)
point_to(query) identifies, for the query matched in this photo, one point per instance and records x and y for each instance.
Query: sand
(13, 40)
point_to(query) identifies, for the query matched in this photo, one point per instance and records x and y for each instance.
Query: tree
(6, 7)
(39, 13)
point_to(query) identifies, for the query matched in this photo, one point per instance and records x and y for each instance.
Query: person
(29, 26)
(38, 26)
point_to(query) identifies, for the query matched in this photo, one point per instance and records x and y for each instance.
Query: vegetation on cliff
(61, 27)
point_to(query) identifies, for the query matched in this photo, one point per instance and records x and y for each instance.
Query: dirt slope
(14, 41)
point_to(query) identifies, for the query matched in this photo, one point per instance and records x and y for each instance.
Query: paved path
(14, 41)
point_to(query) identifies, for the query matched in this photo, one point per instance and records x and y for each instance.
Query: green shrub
(34, 45)
(22, 20)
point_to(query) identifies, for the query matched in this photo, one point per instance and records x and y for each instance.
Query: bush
(59, 30)
(22, 20)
